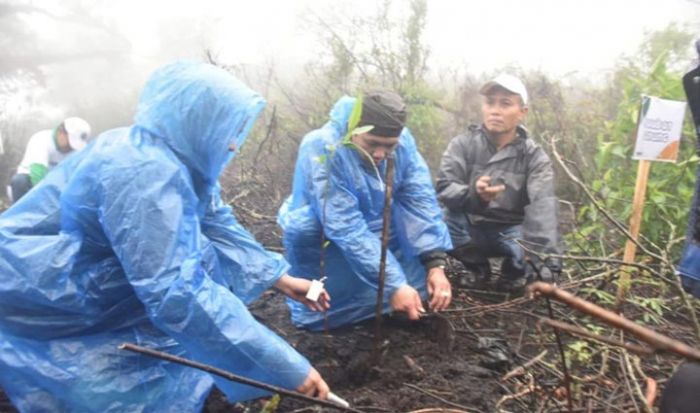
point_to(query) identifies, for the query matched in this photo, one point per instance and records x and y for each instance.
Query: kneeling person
(334, 216)
(497, 185)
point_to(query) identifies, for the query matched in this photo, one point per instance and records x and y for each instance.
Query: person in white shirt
(45, 150)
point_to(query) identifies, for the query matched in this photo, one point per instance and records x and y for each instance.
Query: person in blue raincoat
(338, 191)
(129, 241)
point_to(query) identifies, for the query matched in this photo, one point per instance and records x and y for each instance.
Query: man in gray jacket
(497, 186)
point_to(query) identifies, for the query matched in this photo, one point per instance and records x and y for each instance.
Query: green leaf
(619, 151)
(658, 197)
(355, 116)
(271, 405)
(362, 129)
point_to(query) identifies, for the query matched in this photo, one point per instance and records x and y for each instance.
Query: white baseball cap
(78, 132)
(507, 82)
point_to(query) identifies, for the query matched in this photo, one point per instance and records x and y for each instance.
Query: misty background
(585, 63)
(91, 58)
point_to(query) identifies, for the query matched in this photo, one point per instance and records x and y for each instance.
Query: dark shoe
(469, 253)
(478, 269)
(544, 273)
(476, 276)
(511, 285)
(470, 279)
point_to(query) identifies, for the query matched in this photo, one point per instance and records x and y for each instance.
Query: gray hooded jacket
(522, 166)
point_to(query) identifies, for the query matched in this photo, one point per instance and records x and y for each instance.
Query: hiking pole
(389, 180)
(239, 379)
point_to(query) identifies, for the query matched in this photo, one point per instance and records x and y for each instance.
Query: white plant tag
(315, 290)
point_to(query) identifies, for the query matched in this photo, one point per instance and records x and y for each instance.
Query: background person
(44, 151)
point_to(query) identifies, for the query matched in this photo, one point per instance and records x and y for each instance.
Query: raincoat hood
(117, 245)
(340, 113)
(225, 112)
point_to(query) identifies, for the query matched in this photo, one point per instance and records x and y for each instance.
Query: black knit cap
(384, 110)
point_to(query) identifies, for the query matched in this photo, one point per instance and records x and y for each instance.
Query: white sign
(659, 129)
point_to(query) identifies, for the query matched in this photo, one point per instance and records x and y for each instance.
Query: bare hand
(406, 299)
(484, 189)
(296, 289)
(439, 289)
(314, 385)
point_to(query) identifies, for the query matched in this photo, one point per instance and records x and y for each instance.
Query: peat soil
(425, 364)
(451, 362)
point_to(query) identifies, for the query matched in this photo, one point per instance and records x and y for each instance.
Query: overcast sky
(124, 40)
(557, 36)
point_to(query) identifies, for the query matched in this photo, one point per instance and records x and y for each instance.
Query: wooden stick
(560, 347)
(635, 348)
(230, 376)
(649, 336)
(389, 181)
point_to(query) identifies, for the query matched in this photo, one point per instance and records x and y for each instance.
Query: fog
(90, 58)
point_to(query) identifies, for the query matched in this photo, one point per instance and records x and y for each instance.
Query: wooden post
(640, 189)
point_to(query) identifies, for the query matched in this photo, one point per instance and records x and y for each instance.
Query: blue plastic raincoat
(128, 241)
(337, 178)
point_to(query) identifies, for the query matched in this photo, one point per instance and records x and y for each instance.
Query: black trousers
(682, 392)
(20, 184)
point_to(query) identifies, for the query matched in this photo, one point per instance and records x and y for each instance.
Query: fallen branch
(635, 348)
(640, 394)
(527, 390)
(520, 370)
(651, 337)
(233, 377)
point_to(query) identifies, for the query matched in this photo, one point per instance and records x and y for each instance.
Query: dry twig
(453, 404)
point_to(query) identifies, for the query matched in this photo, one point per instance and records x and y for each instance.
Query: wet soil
(421, 363)
(424, 363)
(432, 363)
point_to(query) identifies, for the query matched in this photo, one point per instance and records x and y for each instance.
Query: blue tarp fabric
(129, 241)
(334, 185)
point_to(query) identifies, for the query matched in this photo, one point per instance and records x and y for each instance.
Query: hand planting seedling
(315, 290)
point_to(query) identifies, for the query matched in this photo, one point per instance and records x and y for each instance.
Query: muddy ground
(420, 365)
(467, 365)
(436, 362)
(422, 362)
